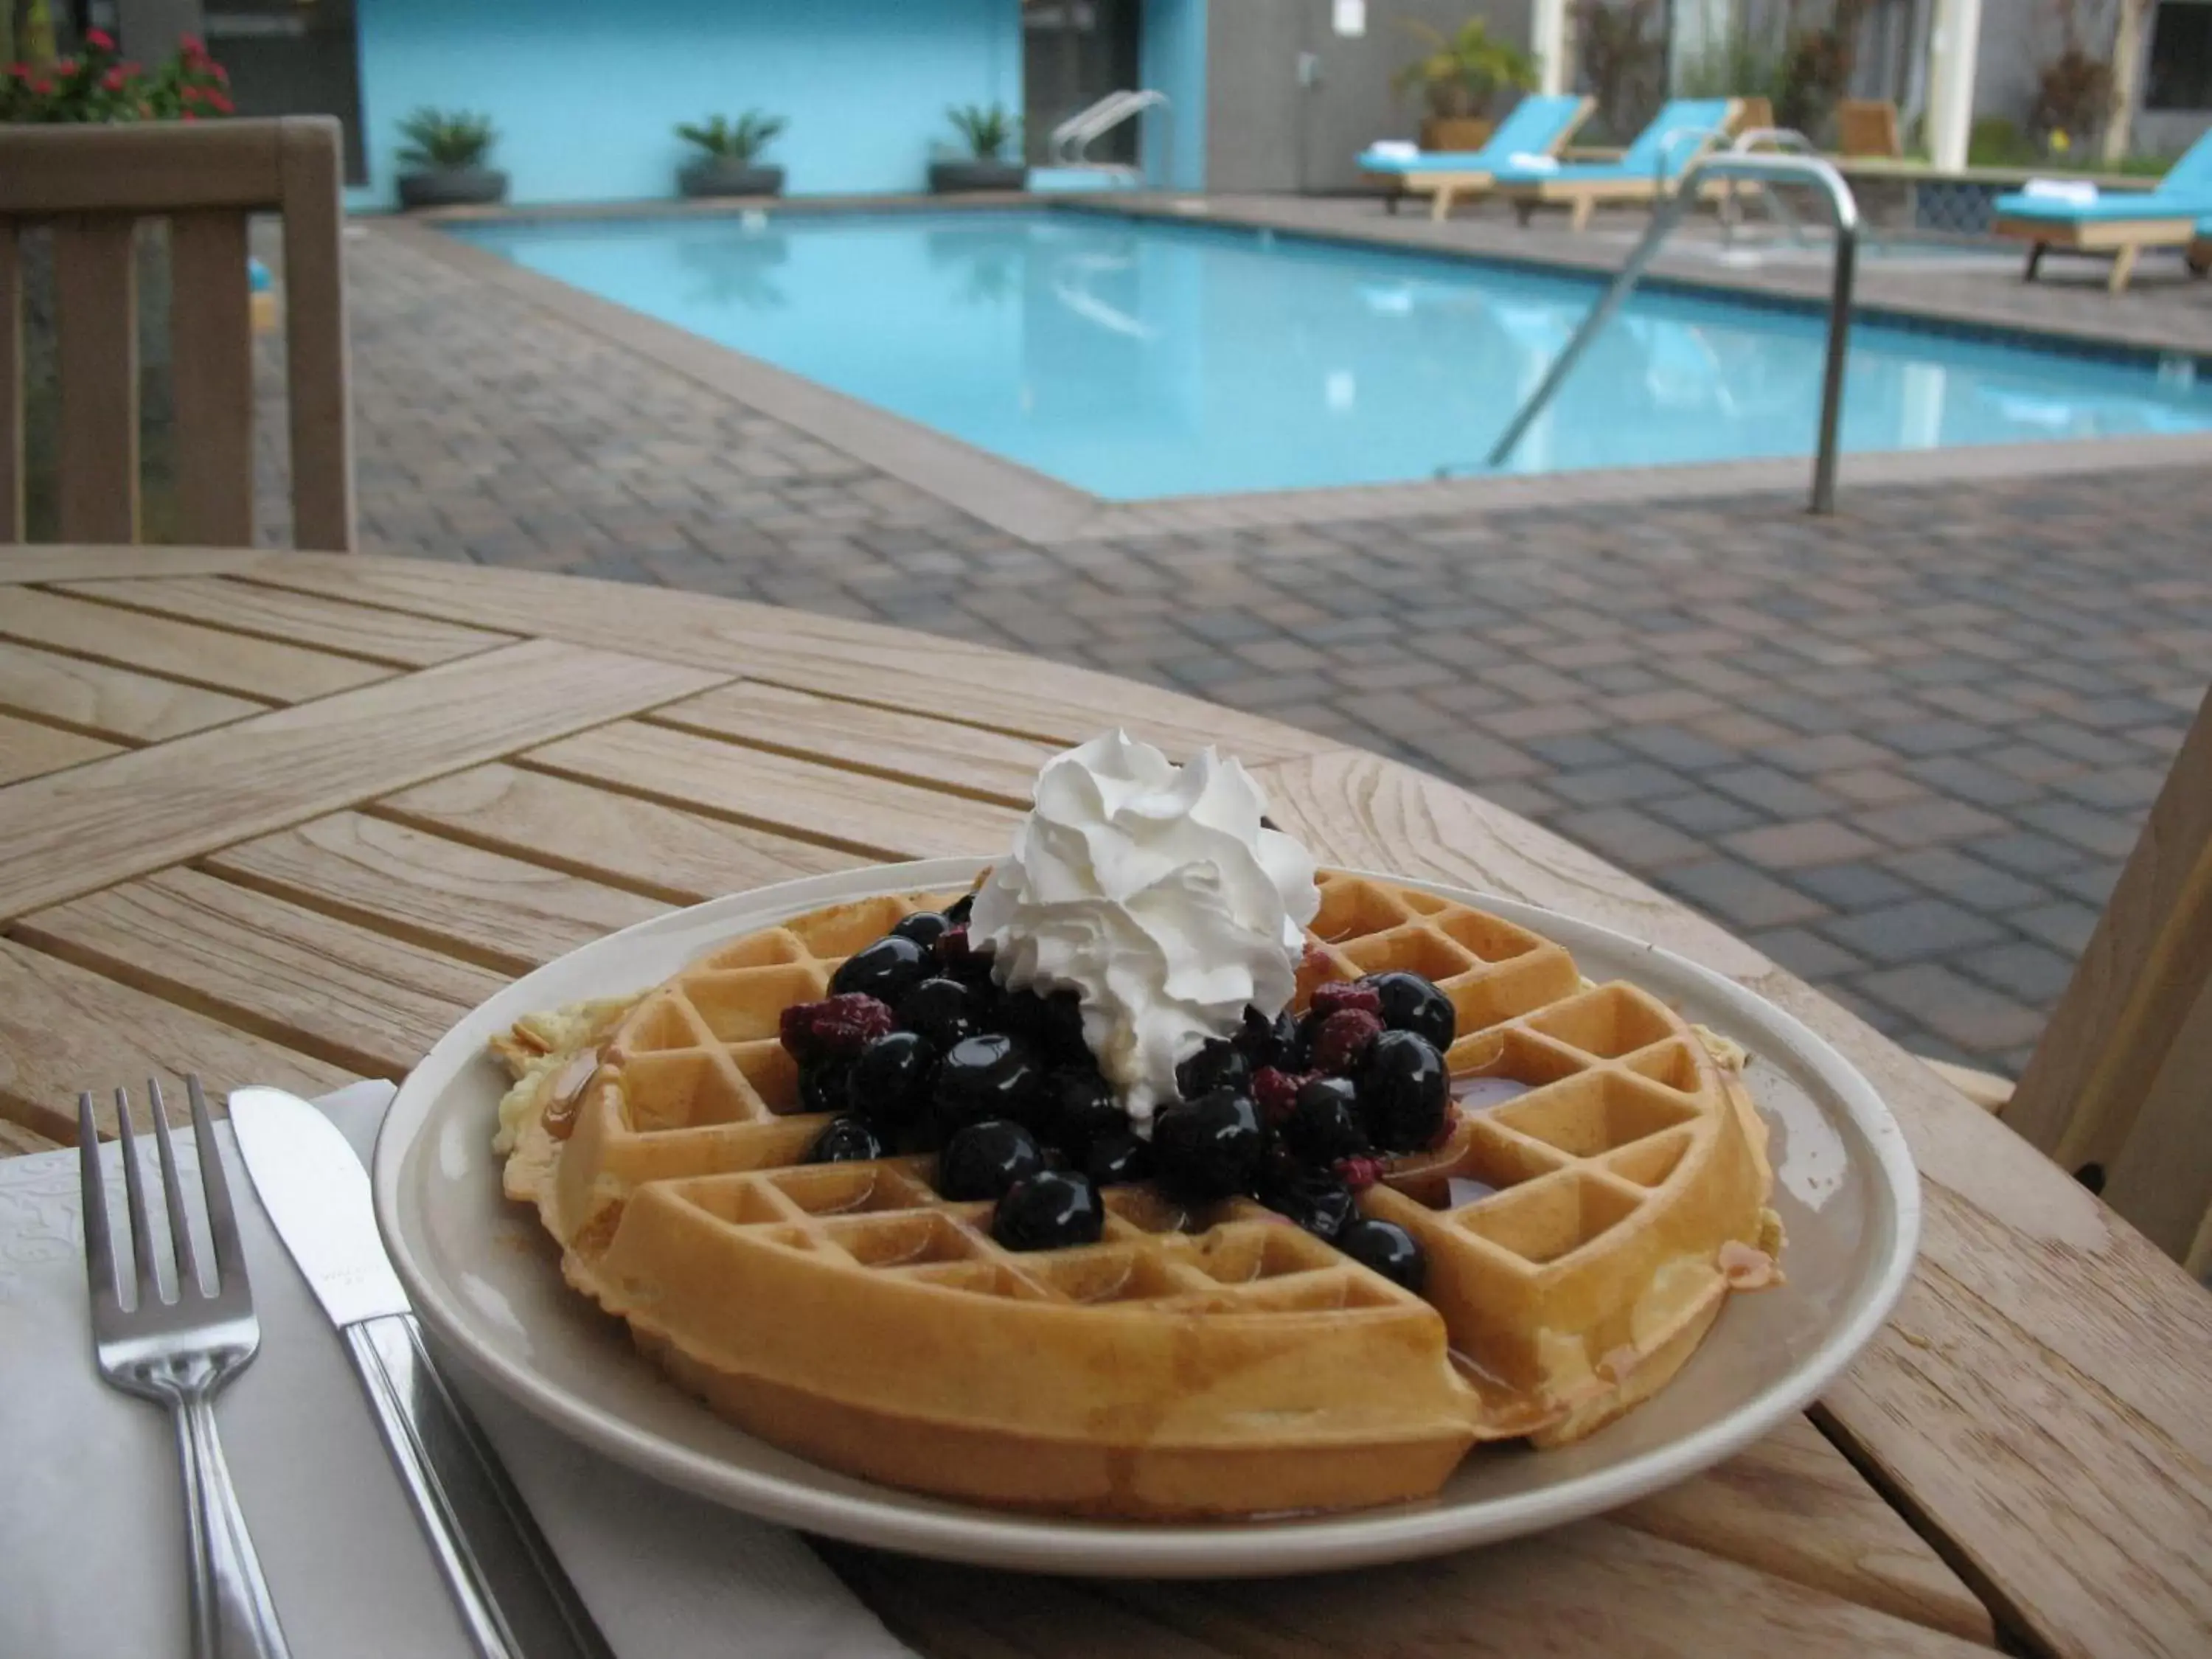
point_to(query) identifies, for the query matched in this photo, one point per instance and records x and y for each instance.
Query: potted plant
(728, 164)
(1457, 76)
(445, 157)
(990, 131)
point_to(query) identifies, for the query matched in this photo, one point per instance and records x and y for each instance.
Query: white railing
(1072, 139)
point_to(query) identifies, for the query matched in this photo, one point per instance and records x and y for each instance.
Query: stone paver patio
(1903, 750)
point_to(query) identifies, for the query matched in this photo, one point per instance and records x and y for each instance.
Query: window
(2180, 74)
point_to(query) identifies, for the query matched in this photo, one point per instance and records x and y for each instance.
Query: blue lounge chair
(2122, 223)
(1539, 125)
(1685, 130)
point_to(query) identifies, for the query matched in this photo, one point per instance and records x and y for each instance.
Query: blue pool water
(1134, 359)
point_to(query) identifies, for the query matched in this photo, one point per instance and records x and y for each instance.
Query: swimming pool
(1135, 359)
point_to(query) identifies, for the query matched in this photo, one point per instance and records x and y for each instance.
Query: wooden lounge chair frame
(89, 186)
(1584, 196)
(1445, 186)
(2124, 239)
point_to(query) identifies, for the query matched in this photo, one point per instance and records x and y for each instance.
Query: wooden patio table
(284, 818)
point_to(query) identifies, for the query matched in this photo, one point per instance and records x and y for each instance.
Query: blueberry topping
(1117, 1157)
(1052, 1209)
(824, 1085)
(1404, 1091)
(1316, 1199)
(991, 1075)
(941, 1010)
(1411, 1003)
(1210, 1148)
(1053, 1023)
(888, 968)
(1267, 1041)
(984, 1159)
(956, 914)
(923, 927)
(889, 1082)
(1324, 1122)
(846, 1140)
(1217, 1065)
(1386, 1248)
(1079, 1107)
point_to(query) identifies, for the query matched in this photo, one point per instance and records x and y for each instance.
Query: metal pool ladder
(1766, 168)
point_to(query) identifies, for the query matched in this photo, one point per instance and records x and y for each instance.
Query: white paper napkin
(92, 1554)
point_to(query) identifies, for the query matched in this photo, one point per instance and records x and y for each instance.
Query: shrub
(734, 141)
(1624, 58)
(446, 138)
(100, 85)
(988, 129)
(1461, 73)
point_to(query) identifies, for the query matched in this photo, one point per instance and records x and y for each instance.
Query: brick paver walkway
(1904, 751)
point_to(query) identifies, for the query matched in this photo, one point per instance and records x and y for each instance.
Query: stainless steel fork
(178, 1352)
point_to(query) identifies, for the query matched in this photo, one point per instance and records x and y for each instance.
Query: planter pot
(436, 187)
(1456, 132)
(719, 175)
(948, 178)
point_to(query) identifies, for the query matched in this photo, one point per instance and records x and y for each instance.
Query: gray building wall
(1266, 131)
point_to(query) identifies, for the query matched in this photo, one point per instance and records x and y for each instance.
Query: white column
(1952, 41)
(1547, 29)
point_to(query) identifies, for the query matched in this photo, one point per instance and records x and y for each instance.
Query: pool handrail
(1737, 163)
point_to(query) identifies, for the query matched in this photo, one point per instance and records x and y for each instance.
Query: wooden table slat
(180, 650)
(863, 660)
(2037, 1399)
(74, 562)
(29, 749)
(63, 1029)
(130, 814)
(1791, 1504)
(390, 637)
(775, 791)
(883, 741)
(641, 845)
(449, 896)
(107, 702)
(355, 999)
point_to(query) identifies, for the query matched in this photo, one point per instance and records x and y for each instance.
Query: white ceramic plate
(485, 1280)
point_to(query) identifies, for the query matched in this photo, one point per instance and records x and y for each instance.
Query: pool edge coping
(1037, 509)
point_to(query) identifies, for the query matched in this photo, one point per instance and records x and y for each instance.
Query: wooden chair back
(1868, 127)
(2120, 1090)
(91, 186)
(1753, 113)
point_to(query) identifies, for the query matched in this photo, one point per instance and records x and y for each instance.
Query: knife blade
(515, 1598)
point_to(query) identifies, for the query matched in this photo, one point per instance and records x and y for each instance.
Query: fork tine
(134, 1189)
(215, 1187)
(99, 1248)
(172, 1195)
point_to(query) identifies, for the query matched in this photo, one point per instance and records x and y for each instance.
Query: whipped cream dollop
(1154, 892)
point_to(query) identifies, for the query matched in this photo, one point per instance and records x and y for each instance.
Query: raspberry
(952, 947)
(836, 1027)
(1275, 1091)
(1341, 993)
(1342, 1038)
(1359, 1173)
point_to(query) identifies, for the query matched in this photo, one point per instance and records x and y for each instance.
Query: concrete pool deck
(1903, 750)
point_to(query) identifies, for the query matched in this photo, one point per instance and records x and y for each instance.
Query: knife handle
(513, 1596)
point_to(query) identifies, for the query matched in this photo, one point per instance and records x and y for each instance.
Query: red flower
(193, 94)
(100, 39)
(43, 88)
(219, 73)
(65, 65)
(221, 104)
(188, 116)
(191, 45)
(114, 80)
(20, 71)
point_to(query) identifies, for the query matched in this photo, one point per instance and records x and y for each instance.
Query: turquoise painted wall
(1171, 58)
(585, 92)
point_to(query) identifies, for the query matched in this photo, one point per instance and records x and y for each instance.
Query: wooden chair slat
(11, 387)
(315, 339)
(2111, 1082)
(211, 354)
(137, 168)
(96, 323)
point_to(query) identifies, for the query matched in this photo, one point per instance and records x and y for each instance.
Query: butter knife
(513, 1594)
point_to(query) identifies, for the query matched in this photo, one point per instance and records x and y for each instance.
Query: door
(1253, 122)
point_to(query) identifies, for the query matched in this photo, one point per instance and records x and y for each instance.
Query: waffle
(1580, 1239)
